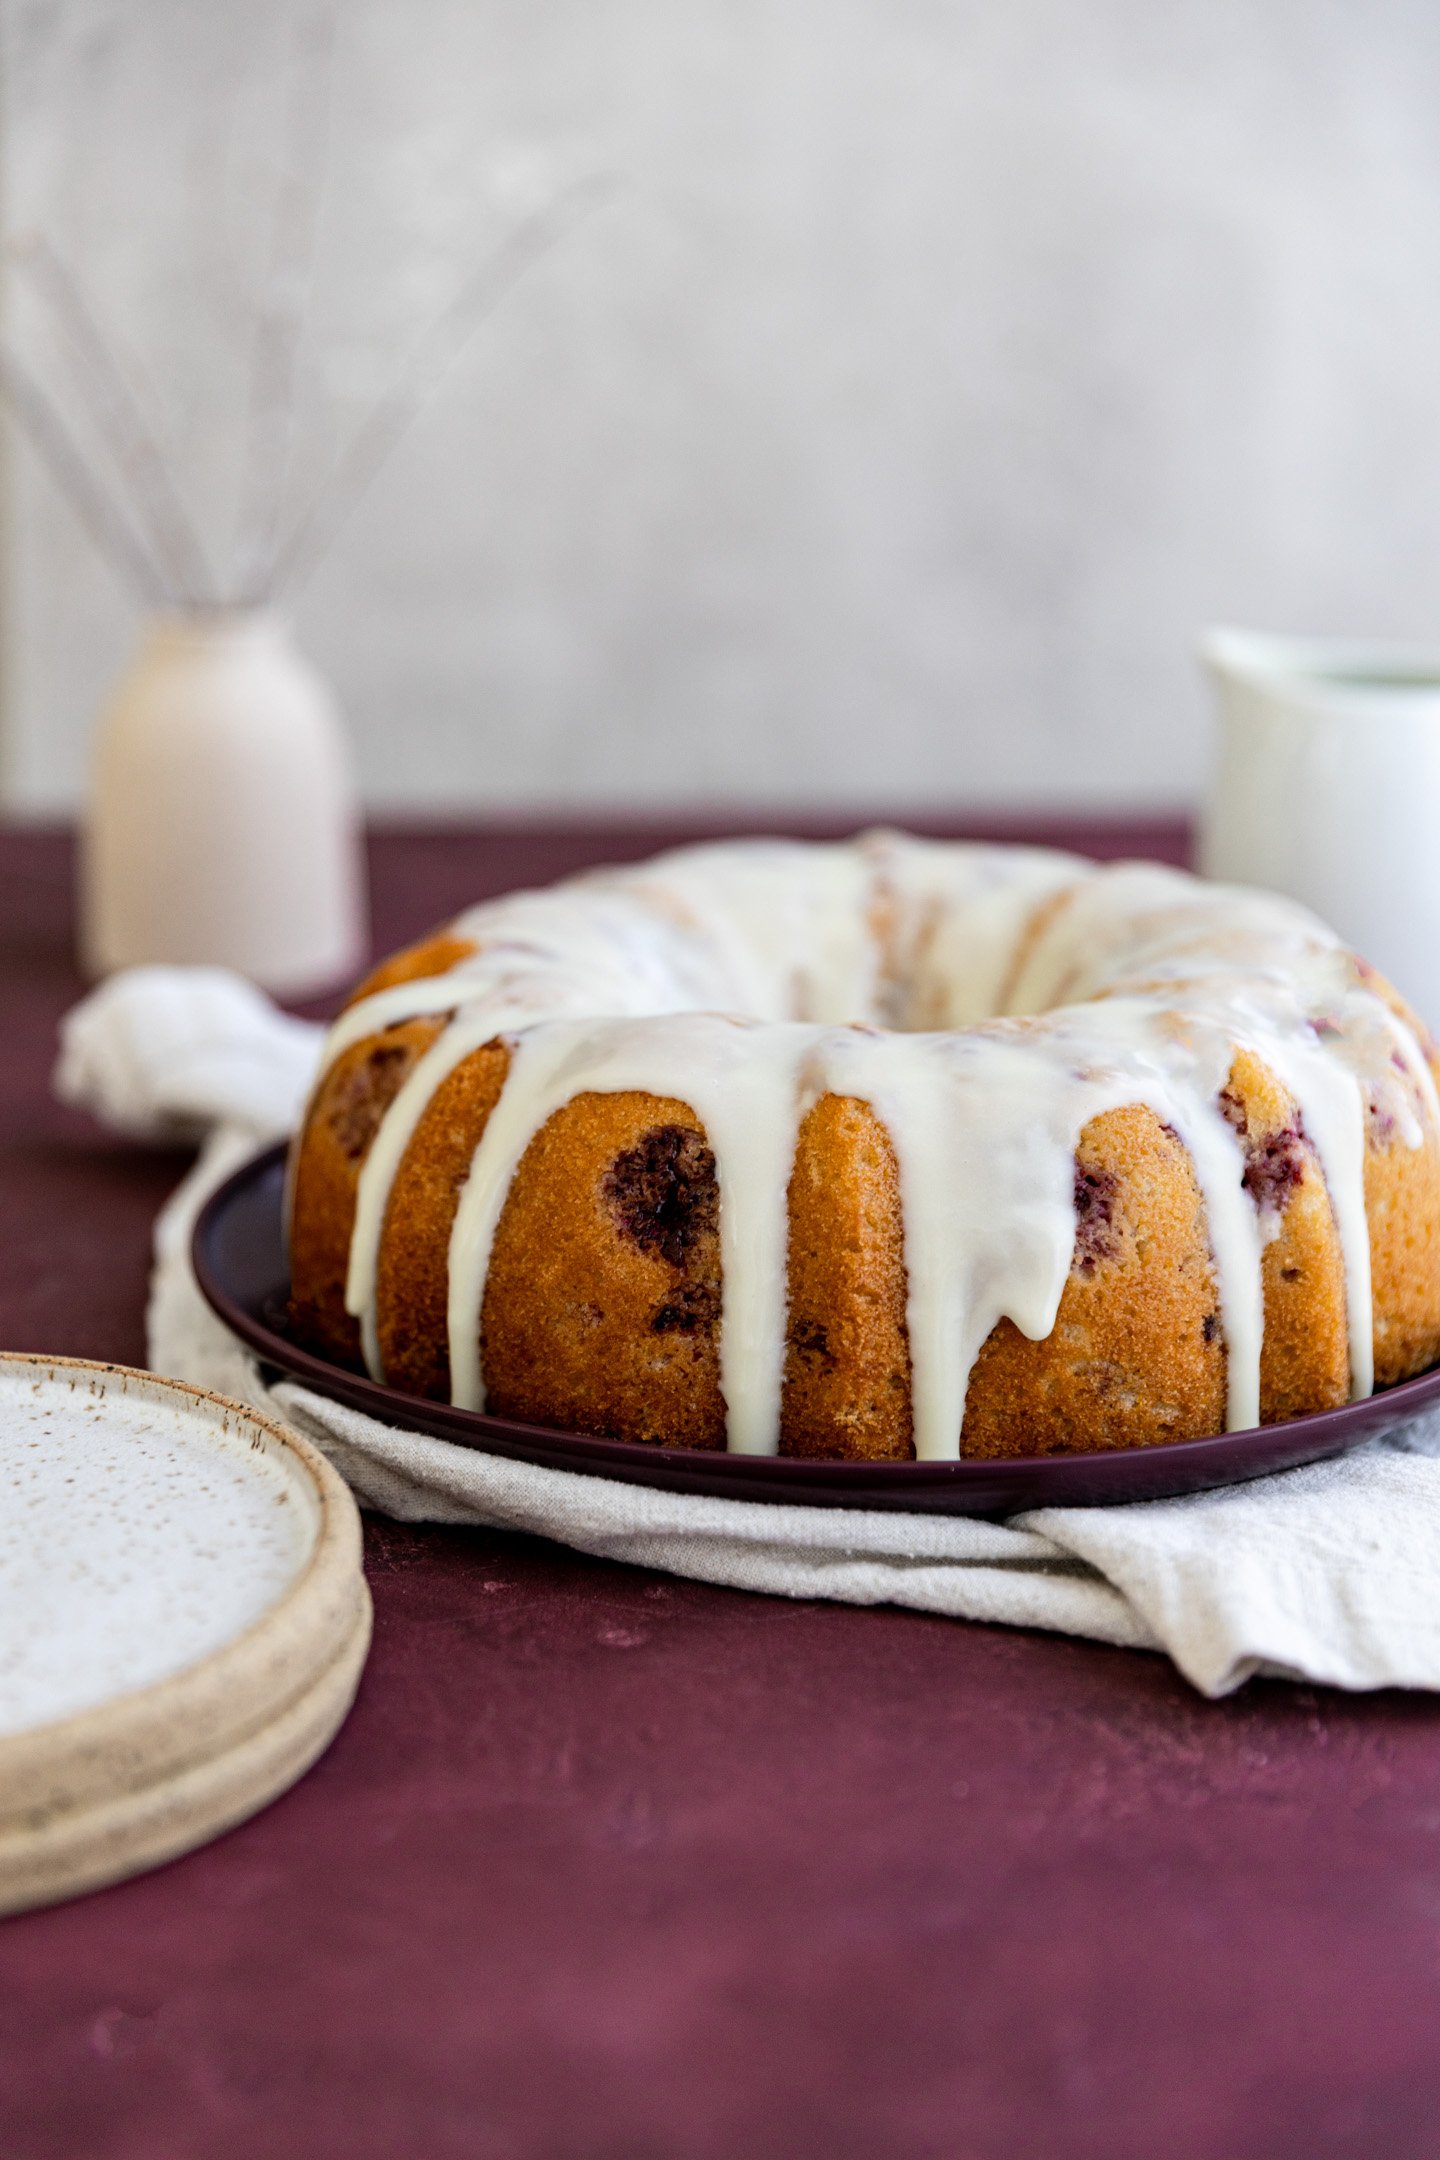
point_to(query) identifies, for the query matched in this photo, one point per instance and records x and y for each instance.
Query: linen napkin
(1329, 1573)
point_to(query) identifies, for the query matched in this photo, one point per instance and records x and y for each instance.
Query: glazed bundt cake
(875, 1150)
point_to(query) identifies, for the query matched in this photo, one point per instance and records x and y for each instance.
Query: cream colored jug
(1327, 787)
(222, 826)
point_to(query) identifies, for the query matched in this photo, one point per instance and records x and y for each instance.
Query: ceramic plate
(239, 1253)
(183, 1619)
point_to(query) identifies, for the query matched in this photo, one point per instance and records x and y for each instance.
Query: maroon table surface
(609, 1864)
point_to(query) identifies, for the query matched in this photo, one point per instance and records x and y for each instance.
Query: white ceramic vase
(223, 826)
(1327, 787)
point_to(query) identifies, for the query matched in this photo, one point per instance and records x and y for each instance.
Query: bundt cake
(875, 1150)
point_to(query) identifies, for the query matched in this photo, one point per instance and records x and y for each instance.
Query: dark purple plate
(240, 1260)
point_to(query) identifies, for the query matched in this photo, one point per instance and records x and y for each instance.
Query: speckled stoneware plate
(240, 1260)
(183, 1620)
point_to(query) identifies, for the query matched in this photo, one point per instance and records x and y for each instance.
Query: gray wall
(937, 372)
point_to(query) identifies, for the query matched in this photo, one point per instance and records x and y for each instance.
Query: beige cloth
(1330, 1573)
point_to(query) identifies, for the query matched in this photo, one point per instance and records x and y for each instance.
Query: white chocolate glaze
(986, 1002)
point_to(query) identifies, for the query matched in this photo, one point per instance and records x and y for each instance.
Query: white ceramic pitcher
(222, 826)
(1327, 787)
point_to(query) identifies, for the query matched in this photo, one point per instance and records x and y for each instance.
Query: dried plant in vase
(222, 824)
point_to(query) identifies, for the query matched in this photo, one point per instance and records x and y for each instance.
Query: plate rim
(1167, 1469)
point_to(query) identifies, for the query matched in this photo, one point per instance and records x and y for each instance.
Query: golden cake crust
(602, 1313)
(341, 1122)
(433, 955)
(412, 1275)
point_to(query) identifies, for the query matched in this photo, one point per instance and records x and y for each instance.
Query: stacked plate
(183, 1619)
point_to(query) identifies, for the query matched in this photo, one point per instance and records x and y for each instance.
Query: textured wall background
(939, 370)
